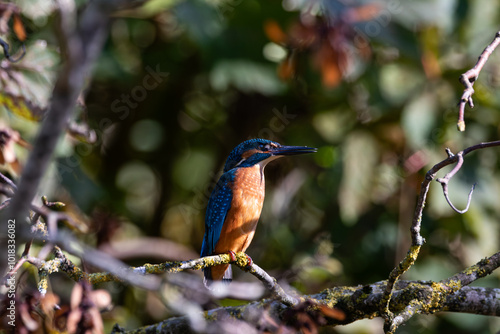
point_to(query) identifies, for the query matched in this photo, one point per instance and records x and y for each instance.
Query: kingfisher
(236, 202)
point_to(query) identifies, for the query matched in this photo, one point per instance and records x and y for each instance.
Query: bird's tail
(222, 273)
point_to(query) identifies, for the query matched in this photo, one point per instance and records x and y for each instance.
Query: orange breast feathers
(241, 220)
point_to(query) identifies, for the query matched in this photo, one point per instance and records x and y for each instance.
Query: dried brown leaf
(274, 32)
(332, 312)
(8, 140)
(19, 28)
(48, 303)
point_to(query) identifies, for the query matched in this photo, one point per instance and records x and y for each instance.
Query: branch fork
(392, 321)
(469, 78)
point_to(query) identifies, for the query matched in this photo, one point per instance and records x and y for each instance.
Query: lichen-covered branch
(416, 237)
(360, 302)
(444, 289)
(209, 261)
(7, 54)
(357, 302)
(61, 263)
(477, 271)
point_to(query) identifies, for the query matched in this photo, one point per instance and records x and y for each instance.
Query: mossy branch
(61, 263)
(357, 302)
(416, 238)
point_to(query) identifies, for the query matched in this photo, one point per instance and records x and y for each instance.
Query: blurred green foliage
(180, 83)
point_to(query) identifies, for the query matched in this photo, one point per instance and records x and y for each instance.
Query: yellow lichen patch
(470, 270)
(438, 295)
(410, 258)
(152, 268)
(210, 262)
(43, 284)
(403, 266)
(77, 274)
(241, 259)
(198, 266)
(211, 316)
(414, 250)
(101, 278)
(454, 285)
(332, 296)
(167, 267)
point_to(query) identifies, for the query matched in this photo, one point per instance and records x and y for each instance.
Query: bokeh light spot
(146, 135)
(140, 184)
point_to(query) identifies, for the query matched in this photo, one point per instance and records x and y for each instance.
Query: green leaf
(419, 119)
(26, 86)
(360, 162)
(246, 76)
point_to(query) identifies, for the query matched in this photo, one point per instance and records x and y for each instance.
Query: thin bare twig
(468, 78)
(8, 181)
(4, 204)
(7, 54)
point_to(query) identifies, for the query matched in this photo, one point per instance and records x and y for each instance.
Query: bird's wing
(218, 206)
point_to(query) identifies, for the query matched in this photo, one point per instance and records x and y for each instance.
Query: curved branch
(468, 78)
(445, 180)
(5, 48)
(469, 198)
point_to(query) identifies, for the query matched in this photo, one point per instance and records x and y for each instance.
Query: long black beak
(292, 150)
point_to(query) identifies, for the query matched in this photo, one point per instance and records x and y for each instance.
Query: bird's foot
(250, 262)
(232, 255)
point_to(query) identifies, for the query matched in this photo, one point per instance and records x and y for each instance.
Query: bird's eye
(264, 147)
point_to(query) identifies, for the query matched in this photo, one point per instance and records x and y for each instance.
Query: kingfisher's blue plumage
(236, 201)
